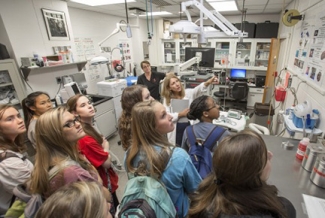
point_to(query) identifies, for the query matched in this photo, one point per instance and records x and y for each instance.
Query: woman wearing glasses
(206, 110)
(173, 89)
(56, 142)
(93, 145)
(237, 187)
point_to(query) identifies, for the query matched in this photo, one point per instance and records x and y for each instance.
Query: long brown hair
(52, 148)
(235, 187)
(17, 145)
(130, 96)
(145, 136)
(87, 127)
(166, 92)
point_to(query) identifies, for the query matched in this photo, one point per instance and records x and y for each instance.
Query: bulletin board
(85, 48)
(307, 59)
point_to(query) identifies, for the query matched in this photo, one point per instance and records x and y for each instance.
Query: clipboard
(179, 105)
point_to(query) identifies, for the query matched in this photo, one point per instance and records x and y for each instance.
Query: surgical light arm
(181, 67)
(228, 28)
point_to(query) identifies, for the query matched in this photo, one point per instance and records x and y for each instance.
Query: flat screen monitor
(206, 54)
(238, 73)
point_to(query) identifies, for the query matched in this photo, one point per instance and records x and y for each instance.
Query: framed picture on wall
(56, 25)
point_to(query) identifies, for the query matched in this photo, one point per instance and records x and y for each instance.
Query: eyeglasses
(72, 123)
(215, 106)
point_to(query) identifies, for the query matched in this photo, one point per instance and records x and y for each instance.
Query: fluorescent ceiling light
(101, 2)
(223, 5)
(156, 13)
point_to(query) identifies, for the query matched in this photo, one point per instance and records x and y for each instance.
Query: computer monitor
(206, 54)
(238, 74)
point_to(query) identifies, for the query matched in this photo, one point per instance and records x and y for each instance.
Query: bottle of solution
(302, 148)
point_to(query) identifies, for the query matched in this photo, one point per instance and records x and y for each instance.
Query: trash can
(260, 114)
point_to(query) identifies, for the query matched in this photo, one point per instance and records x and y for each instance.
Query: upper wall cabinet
(174, 50)
(251, 54)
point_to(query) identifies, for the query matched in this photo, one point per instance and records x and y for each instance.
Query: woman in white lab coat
(173, 89)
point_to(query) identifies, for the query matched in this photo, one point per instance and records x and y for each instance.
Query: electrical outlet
(58, 80)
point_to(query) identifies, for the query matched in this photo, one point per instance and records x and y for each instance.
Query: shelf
(222, 49)
(26, 70)
(5, 84)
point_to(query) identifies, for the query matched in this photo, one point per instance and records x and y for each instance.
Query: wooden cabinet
(254, 95)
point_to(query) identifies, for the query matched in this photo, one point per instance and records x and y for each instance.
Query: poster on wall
(310, 53)
(56, 24)
(125, 46)
(85, 48)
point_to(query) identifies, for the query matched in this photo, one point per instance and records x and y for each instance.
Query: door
(272, 66)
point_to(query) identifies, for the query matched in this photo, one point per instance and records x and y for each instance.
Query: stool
(219, 95)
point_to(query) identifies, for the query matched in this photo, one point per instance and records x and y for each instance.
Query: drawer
(103, 107)
(256, 90)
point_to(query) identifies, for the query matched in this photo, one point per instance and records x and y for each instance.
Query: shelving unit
(12, 88)
(27, 70)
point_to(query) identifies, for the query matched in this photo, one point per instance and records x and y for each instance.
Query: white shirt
(13, 171)
(190, 94)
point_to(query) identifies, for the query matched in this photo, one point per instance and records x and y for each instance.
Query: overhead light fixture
(101, 2)
(228, 29)
(223, 5)
(156, 13)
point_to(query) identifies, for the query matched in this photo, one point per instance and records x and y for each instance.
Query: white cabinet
(254, 95)
(12, 88)
(174, 50)
(105, 116)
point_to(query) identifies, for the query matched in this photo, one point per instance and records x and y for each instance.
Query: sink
(98, 99)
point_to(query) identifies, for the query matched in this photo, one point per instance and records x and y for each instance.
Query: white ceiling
(173, 6)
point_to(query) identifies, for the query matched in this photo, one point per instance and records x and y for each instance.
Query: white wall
(290, 36)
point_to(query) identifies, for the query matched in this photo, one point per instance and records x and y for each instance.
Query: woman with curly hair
(130, 96)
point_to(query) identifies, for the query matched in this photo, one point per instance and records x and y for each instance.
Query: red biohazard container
(280, 94)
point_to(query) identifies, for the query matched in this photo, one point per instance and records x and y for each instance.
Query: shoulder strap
(213, 136)
(191, 135)
(57, 168)
(9, 155)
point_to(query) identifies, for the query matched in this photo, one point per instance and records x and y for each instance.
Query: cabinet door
(222, 52)
(12, 88)
(254, 95)
(262, 54)
(169, 52)
(182, 46)
(106, 123)
(244, 53)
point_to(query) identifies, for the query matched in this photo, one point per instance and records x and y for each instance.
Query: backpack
(146, 197)
(201, 153)
(26, 204)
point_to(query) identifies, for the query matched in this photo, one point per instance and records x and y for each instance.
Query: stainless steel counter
(288, 175)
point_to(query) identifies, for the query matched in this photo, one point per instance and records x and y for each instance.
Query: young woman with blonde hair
(130, 96)
(173, 89)
(78, 200)
(151, 153)
(237, 187)
(56, 143)
(93, 145)
(14, 167)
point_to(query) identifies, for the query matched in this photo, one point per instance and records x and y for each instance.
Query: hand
(212, 80)
(105, 145)
(184, 112)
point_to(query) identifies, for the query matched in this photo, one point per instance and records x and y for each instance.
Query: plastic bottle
(302, 148)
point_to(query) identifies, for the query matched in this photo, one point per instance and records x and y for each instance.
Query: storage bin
(310, 123)
(248, 27)
(261, 112)
(267, 30)
(280, 94)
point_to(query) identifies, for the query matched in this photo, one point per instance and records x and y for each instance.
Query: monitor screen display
(206, 54)
(238, 73)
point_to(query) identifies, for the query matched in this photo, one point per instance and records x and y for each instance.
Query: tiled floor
(118, 151)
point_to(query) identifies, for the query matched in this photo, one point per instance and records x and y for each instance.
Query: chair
(239, 91)
(219, 95)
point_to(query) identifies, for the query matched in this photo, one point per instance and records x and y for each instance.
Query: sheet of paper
(169, 57)
(315, 206)
(179, 105)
